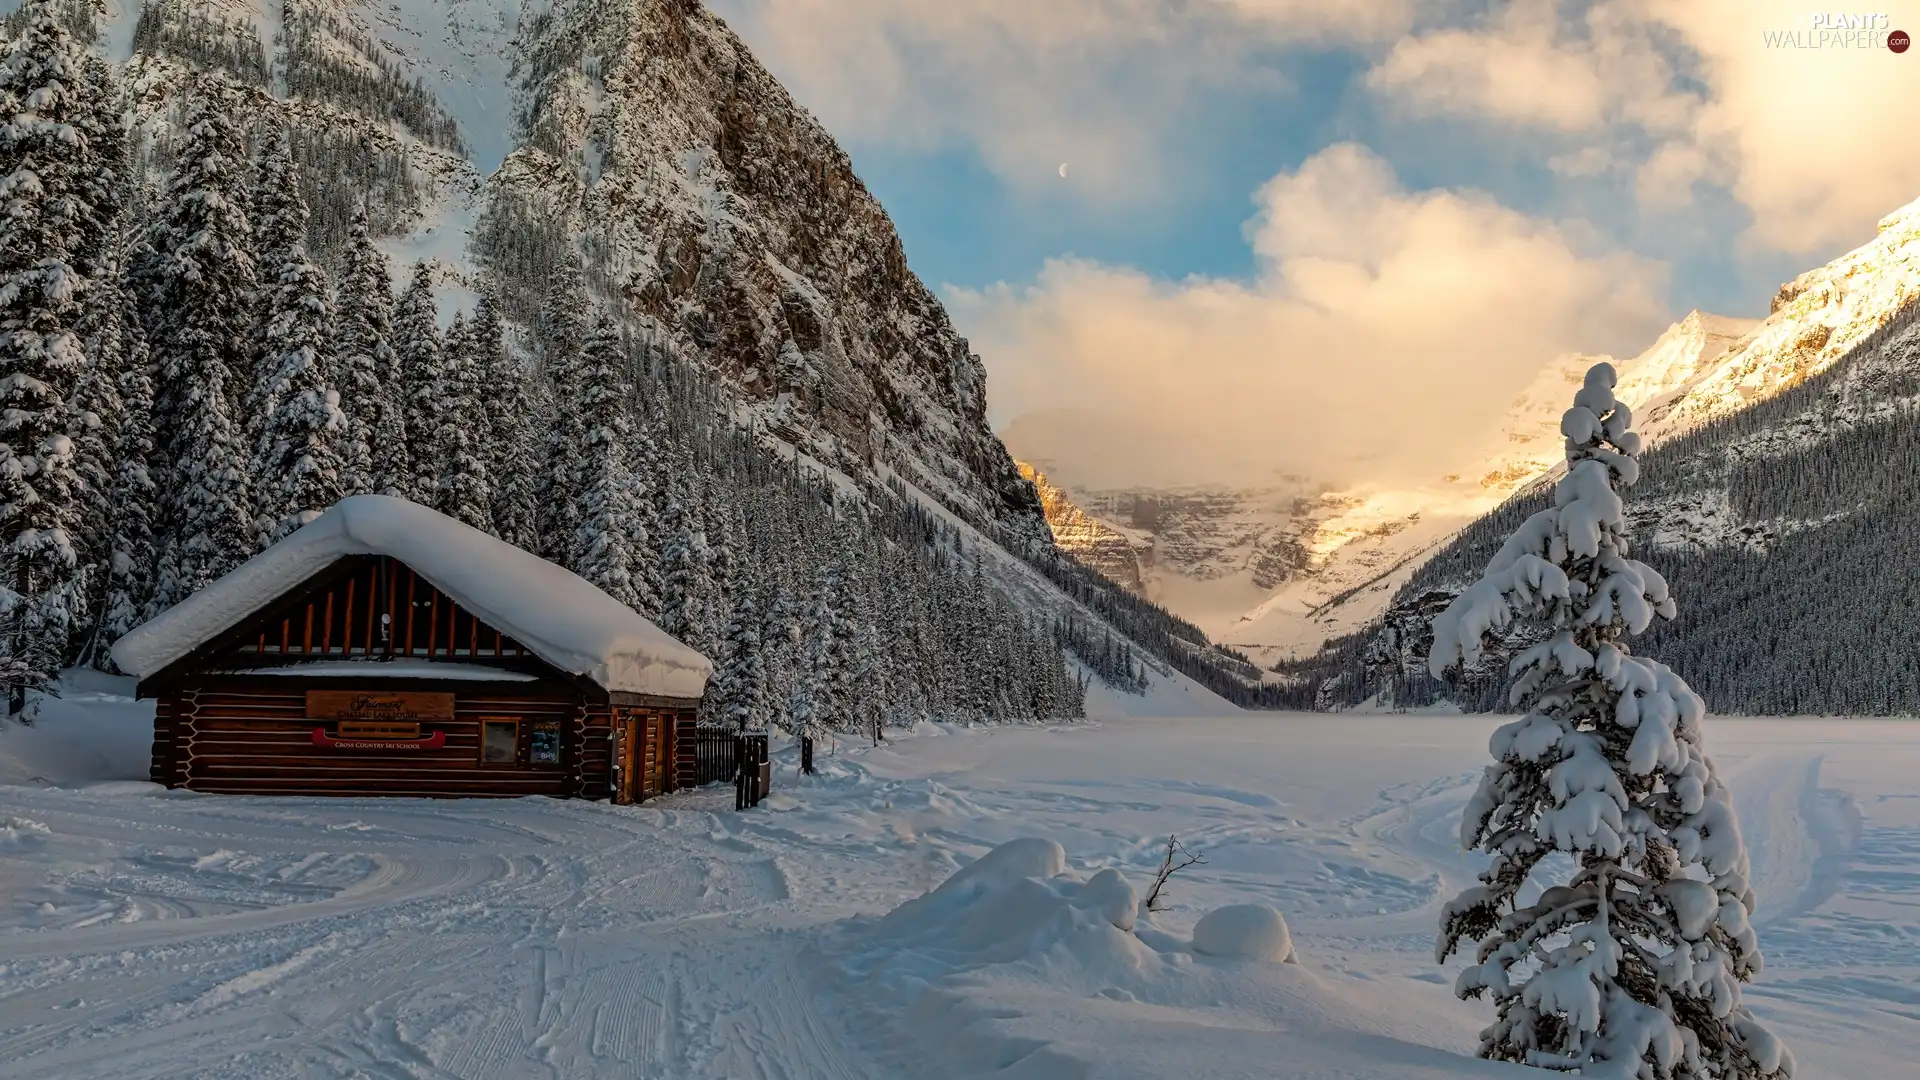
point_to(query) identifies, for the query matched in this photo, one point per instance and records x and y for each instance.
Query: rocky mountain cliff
(714, 213)
(1093, 542)
(1774, 502)
(732, 225)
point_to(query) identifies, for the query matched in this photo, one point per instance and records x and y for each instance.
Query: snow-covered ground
(146, 933)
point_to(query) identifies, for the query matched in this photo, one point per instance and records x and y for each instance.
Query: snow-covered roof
(558, 615)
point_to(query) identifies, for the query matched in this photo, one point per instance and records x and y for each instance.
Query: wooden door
(629, 755)
(653, 760)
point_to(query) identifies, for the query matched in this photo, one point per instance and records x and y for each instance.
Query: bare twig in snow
(1177, 859)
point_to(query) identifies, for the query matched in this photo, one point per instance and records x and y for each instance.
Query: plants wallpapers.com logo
(1840, 30)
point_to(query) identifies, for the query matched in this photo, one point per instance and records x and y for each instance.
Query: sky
(1336, 238)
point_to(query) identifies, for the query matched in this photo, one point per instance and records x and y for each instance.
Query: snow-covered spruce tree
(279, 220)
(561, 329)
(513, 463)
(688, 587)
(297, 459)
(135, 507)
(818, 702)
(201, 278)
(106, 318)
(722, 529)
(43, 160)
(375, 450)
(104, 193)
(609, 531)
(1632, 968)
(741, 683)
(93, 421)
(463, 491)
(416, 336)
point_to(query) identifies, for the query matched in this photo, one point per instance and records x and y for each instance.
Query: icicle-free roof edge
(557, 615)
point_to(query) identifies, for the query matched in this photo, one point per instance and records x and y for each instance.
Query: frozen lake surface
(146, 933)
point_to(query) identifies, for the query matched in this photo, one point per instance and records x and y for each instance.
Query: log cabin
(386, 649)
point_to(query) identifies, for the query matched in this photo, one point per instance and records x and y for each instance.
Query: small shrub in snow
(1632, 968)
(1244, 931)
(1176, 859)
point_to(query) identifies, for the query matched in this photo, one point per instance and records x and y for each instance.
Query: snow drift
(1016, 966)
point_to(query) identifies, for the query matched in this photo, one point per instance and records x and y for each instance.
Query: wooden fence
(719, 754)
(715, 757)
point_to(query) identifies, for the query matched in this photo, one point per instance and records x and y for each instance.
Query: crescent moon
(1063, 170)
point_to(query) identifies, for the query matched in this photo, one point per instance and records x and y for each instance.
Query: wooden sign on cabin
(380, 707)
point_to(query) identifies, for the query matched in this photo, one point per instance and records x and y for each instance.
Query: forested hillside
(205, 349)
(1787, 530)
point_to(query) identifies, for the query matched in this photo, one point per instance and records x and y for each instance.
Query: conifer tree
(740, 698)
(202, 282)
(135, 506)
(297, 460)
(562, 327)
(43, 163)
(94, 419)
(609, 530)
(101, 123)
(463, 492)
(106, 315)
(375, 449)
(279, 219)
(688, 586)
(1632, 967)
(513, 463)
(416, 332)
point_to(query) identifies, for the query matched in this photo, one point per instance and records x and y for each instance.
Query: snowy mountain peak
(1816, 318)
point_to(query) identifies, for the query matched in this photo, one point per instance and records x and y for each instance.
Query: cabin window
(543, 745)
(499, 742)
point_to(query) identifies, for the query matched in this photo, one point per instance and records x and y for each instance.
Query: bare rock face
(735, 228)
(1087, 538)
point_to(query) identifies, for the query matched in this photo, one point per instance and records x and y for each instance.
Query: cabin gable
(364, 608)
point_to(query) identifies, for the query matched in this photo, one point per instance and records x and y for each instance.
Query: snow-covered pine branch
(1631, 968)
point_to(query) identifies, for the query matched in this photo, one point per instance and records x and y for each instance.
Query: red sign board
(432, 742)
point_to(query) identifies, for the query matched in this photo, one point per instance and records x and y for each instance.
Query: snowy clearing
(146, 933)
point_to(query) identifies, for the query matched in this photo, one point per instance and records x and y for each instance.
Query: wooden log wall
(250, 741)
(593, 774)
(162, 768)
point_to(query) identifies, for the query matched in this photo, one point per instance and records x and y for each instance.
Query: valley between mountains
(1282, 570)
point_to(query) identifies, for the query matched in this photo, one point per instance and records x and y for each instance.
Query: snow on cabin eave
(556, 615)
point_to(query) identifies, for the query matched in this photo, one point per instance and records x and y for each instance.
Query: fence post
(752, 765)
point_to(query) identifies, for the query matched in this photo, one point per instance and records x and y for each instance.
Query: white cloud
(1102, 84)
(1384, 331)
(1677, 94)
(1516, 68)
(1815, 138)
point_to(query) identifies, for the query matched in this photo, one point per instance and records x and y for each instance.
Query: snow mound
(554, 612)
(1018, 968)
(18, 834)
(1244, 932)
(94, 733)
(1015, 902)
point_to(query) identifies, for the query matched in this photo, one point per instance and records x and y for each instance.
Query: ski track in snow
(154, 934)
